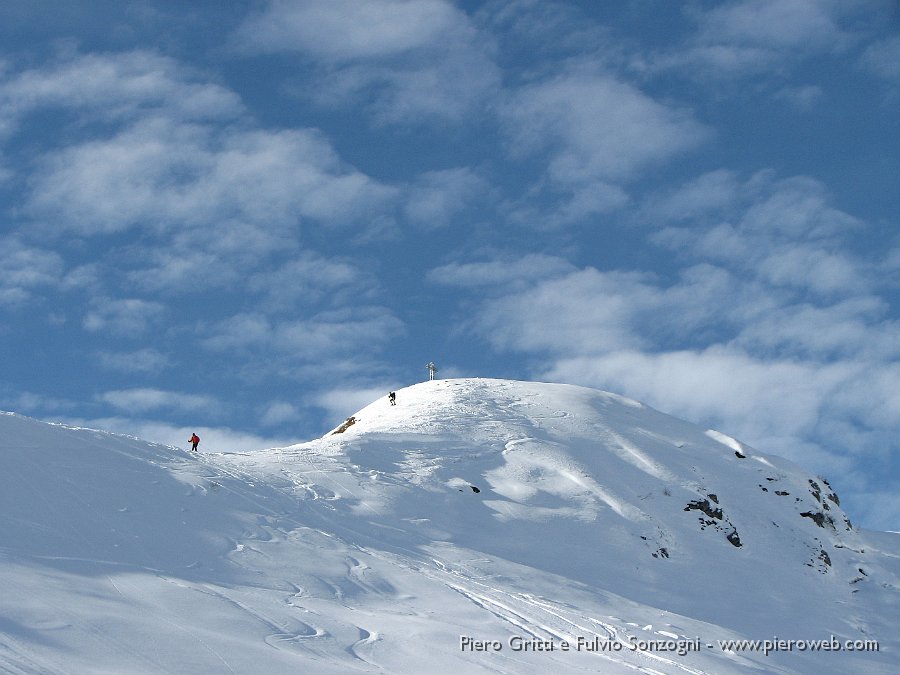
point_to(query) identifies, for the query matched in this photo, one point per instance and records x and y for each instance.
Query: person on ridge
(392, 397)
(194, 440)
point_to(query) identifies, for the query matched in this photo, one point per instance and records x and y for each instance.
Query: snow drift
(482, 525)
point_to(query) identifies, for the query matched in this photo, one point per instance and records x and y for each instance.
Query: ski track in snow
(527, 614)
(480, 594)
(544, 620)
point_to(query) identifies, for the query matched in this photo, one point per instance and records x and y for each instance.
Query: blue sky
(251, 218)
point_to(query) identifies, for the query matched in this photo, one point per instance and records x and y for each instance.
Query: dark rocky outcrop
(704, 506)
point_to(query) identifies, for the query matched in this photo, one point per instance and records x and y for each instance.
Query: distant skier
(194, 440)
(392, 397)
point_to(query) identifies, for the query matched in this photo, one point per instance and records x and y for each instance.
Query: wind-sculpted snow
(476, 526)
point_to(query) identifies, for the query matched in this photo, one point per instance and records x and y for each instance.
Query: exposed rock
(831, 495)
(716, 518)
(815, 490)
(819, 518)
(734, 539)
(704, 506)
(346, 425)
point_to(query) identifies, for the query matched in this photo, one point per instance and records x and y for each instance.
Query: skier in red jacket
(194, 440)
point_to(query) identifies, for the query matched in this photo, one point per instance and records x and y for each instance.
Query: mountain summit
(483, 525)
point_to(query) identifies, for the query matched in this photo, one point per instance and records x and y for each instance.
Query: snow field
(511, 513)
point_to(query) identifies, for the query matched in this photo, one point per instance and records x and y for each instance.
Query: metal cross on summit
(432, 369)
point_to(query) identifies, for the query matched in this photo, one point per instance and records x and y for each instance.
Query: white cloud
(218, 255)
(572, 311)
(333, 334)
(25, 269)
(124, 318)
(586, 201)
(584, 311)
(501, 274)
(785, 258)
(279, 412)
(180, 269)
(595, 128)
(146, 360)
(150, 144)
(766, 38)
(346, 30)
(883, 58)
(83, 277)
(814, 269)
(804, 97)
(854, 328)
(239, 332)
(406, 60)
(309, 279)
(447, 87)
(164, 173)
(437, 197)
(117, 86)
(339, 332)
(151, 149)
(279, 175)
(773, 24)
(711, 193)
(592, 134)
(142, 400)
(783, 233)
(6, 173)
(716, 61)
(31, 403)
(796, 206)
(874, 398)
(552, 30)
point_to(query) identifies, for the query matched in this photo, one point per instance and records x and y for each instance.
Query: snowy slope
(489, 509)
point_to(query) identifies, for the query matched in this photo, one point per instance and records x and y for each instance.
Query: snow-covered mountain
(477, 526)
